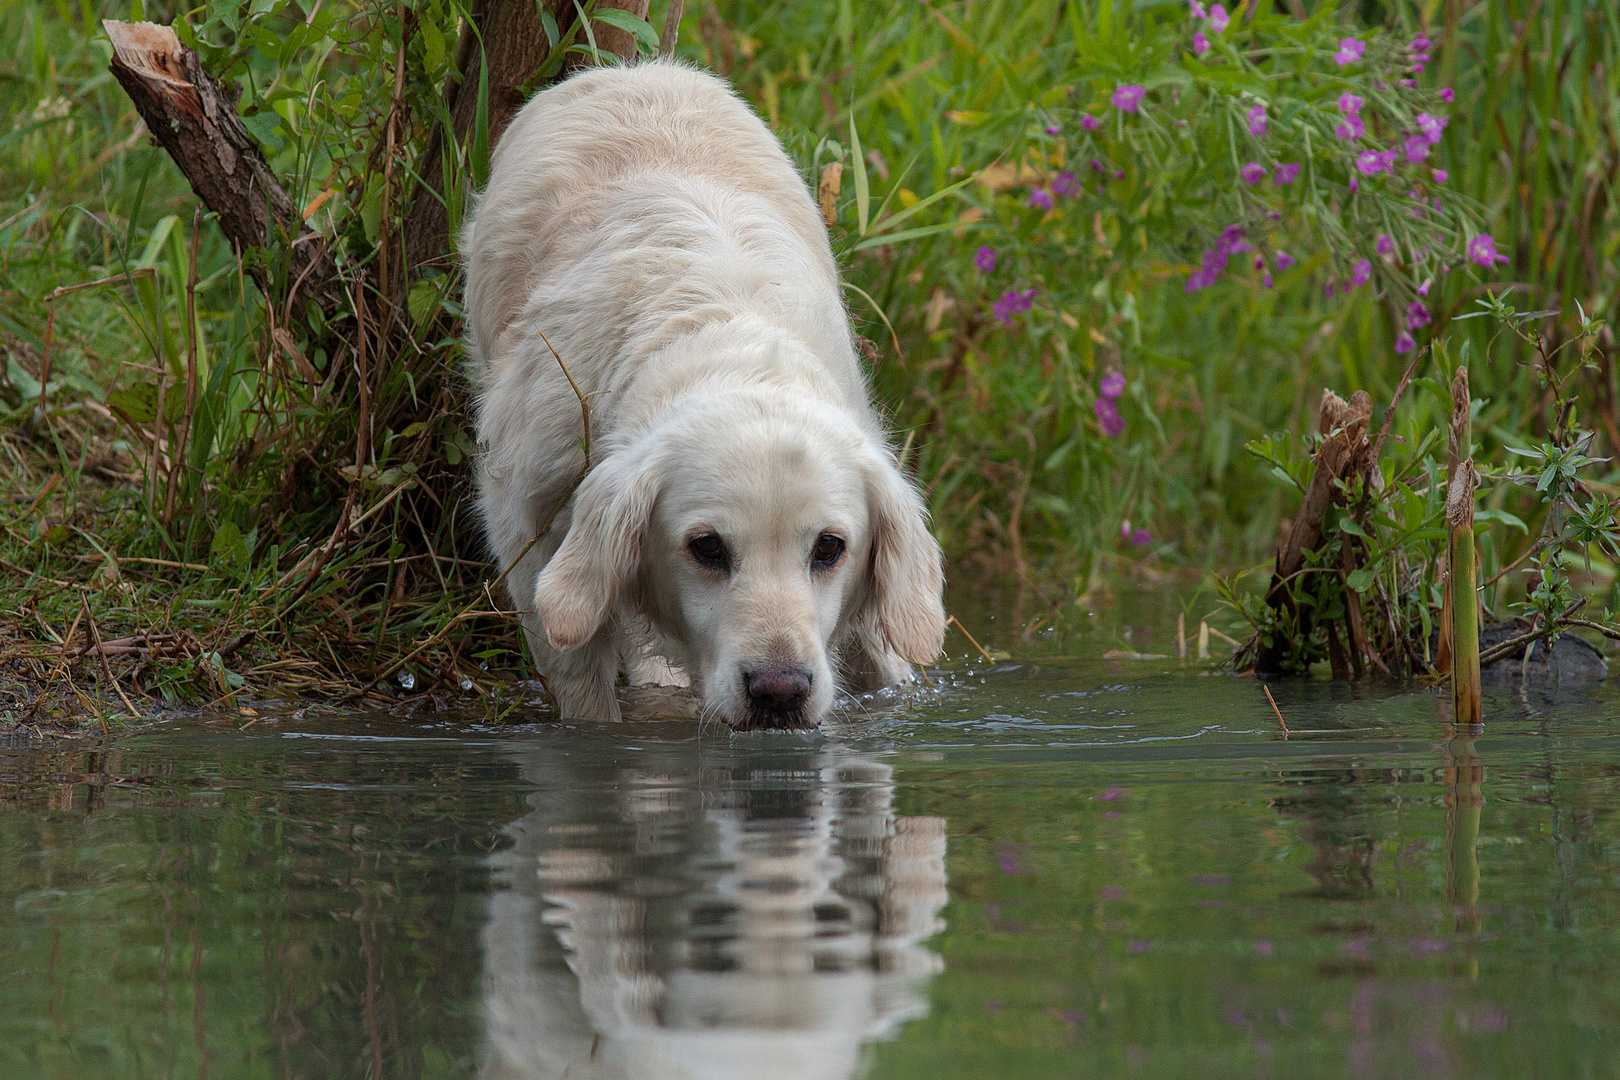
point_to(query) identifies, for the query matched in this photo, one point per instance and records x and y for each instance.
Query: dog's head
(752, 535)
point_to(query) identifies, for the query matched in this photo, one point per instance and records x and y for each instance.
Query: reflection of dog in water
(755, 916)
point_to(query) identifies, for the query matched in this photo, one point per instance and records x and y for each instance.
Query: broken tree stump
(1341, 455)
(193, 117)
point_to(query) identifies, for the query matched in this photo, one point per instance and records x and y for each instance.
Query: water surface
(1053, 866)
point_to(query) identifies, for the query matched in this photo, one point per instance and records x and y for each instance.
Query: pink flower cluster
(1218, 21)
(1012, 302)
(1230, 243)
(1127, 96)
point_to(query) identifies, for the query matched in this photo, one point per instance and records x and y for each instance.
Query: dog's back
(652, 158)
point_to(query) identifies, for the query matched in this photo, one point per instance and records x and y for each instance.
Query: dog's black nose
(780, 688)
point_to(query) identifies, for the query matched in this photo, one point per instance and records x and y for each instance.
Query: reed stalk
(1460, 566)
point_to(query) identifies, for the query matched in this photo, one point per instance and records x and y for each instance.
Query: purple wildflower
(1370, 162)
(1253, 172)
(1419, 43)
(1257, 120)
(1385, 245)
(1108, 416)
(1482, 249)
(1218, 18)
(1417, 148)
(1440, 175)
(1053, 129)
(1198, 9)
(1200, 43)
(1089, 122)
(1230, 242)
(1065, 185)
(1328, 289)
(1197, 280)
(1265, 279)
(1127, 96)
(1417, 316)
(1350, 51)
(985, 259)
(1350, 127)
(1404, 342)
(1012, 302)
(1096, 166)
(1274, 215)
(1141, 538)
(1119, 174)
(1259, 262)
(1040, 199)
(1349, 103)
(1355, 185)
(1112, 385)
(1432, 126)
(1423, 289)
(1362, 273)
(1447, 95)
(1287, 173)
(1284, 261)
(1388, 158)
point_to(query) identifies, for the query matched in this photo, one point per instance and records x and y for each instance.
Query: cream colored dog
(742, 523)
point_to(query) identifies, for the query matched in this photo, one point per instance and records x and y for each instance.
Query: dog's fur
(649, 226)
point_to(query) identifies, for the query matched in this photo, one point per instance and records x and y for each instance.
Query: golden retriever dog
(742, 525)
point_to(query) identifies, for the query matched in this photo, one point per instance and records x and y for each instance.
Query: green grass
(220, 526)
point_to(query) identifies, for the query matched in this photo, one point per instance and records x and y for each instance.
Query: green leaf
(1500, 516)
(639, 28)
(263, 125)
(863, 195)
(548, 23)
(478, 160)
(1360, 580)
(228, 544)
(432, 42)
(138, 404)
(889, 223)
(917, 233)
(423, 301)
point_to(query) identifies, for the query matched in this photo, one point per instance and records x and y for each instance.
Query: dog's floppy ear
(907, 572)
(579, 586)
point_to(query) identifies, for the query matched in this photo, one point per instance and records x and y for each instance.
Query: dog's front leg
(581, 679)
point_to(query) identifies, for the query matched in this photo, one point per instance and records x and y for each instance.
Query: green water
(1064, 866)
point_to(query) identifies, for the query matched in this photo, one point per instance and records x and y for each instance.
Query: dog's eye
(828, 550)
(710, 551)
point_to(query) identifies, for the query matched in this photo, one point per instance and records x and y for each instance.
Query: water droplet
(466, 683)
(407, 680)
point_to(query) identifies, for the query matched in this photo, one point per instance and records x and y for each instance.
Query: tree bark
(193, 117)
